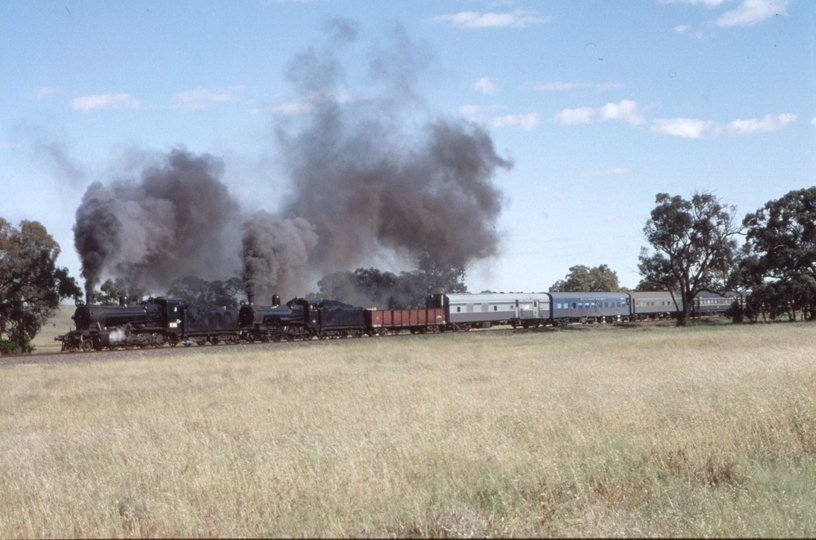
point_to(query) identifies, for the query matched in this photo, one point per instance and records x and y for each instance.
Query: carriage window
(458, 310)
(495, 308)
(573, 305)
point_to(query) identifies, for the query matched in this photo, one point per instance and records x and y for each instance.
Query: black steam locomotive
(160, 321)
(301, 319)
(153, 323)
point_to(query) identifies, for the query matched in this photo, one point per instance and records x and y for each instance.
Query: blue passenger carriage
(584, 307)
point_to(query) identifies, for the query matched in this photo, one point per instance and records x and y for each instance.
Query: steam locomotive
(170, 321)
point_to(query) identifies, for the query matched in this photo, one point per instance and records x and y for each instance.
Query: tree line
(693, 248)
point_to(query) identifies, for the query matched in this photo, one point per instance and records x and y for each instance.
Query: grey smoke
(276, 254)
(367, 181)
(176, 220)
(365, 178)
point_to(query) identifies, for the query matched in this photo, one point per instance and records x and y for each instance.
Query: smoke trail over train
(172, 222)
(364, 178)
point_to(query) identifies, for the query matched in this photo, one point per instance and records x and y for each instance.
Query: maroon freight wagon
(378, 322)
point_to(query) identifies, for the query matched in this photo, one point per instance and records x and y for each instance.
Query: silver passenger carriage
(656, 305)
(466, 311)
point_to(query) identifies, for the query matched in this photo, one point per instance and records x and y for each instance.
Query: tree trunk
(684, 317)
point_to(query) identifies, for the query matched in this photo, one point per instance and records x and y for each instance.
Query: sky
(593, 107)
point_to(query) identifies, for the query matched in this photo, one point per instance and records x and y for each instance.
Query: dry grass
(59, 324)
(709, 431)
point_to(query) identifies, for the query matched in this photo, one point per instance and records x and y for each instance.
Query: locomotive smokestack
(88, 298)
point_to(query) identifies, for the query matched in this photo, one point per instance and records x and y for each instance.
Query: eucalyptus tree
(585, 279)
(782, 237)
(694, 247)
(31, 285)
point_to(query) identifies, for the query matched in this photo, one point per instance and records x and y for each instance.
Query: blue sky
(599, 105)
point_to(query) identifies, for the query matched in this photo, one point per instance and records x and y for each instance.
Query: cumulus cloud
(485, 115)
(527, 122)
(200, 98)
(750, 12)
(684, 127)
(625, 111)
(486, 85)
(105, 101)
(697, 129)
(474, 19)
(769, 123)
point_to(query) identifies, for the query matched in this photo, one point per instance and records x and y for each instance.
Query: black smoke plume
(276, 254)
(173, 222)
(366, 181)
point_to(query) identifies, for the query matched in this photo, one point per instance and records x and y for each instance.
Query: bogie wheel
(87, 345)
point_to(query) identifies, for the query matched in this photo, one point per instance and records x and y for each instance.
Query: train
(170, 321)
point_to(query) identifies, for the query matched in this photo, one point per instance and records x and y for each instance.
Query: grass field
(707, 431)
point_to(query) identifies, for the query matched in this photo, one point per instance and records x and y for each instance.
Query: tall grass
(669, 432)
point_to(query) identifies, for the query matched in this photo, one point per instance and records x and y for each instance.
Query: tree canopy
(373, 287)
(781, 268)
(195, 290)
(31, 285)
(694, 245)
(584, 279)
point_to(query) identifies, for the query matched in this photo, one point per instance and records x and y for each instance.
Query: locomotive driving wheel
(87, 345)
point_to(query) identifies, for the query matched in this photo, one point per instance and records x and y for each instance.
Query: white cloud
(200, 98)
(813, 121)
(680, 28)
(105, 101)
(752, 11)
(483, 115)
(44, 91)
(769, 123)
(475, 110)
(473, 19)
(697, 129)
(625, 111)
(685, 127)
(486, 86)
(608, 172)
(581, 115)
(559, 86)
(527, 122)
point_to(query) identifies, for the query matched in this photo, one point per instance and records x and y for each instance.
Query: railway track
(167, 351)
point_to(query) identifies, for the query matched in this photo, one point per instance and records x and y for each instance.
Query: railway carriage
(584, 307)
(655, 305)
(466, 311)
